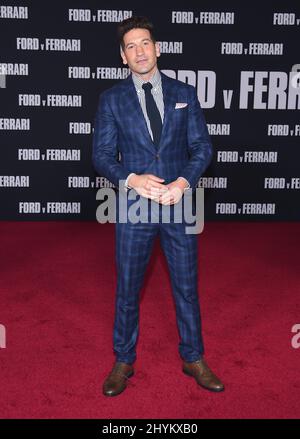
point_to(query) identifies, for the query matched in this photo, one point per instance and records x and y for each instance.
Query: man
(156, 124)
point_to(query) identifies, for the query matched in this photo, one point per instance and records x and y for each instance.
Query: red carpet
(57, 300)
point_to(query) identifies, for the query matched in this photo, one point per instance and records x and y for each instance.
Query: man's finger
(158, 185)
(155, 178)
(164, 199)
(157, 190)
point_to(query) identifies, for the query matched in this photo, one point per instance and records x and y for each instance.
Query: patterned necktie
(153, 113)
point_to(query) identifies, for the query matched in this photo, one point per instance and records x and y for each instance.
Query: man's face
(140, 53)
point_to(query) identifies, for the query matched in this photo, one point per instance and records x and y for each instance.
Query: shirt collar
(154, 80)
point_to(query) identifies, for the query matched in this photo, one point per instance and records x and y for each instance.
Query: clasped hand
(152, 187)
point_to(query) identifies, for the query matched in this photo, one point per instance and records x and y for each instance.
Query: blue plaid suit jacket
(120, 127)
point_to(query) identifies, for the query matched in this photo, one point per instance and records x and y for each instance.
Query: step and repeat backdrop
(57, 57)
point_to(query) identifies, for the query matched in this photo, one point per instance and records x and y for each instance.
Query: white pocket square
(180, 105)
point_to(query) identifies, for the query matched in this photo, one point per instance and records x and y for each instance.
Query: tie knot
(147, 86)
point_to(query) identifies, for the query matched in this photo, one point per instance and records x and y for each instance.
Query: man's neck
(145, 77)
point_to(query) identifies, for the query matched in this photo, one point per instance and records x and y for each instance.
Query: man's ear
(157, 50)
(123, 55)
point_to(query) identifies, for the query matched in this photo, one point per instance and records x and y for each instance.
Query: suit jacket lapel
(134, 109)
(169, 96)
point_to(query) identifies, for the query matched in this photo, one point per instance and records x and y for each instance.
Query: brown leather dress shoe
(115, 383)
(203, 375)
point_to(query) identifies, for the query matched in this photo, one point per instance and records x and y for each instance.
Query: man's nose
(139, 50)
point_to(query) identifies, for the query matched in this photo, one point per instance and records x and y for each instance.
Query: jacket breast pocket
(179, 115)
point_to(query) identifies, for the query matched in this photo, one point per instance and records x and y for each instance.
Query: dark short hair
(134, 23)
